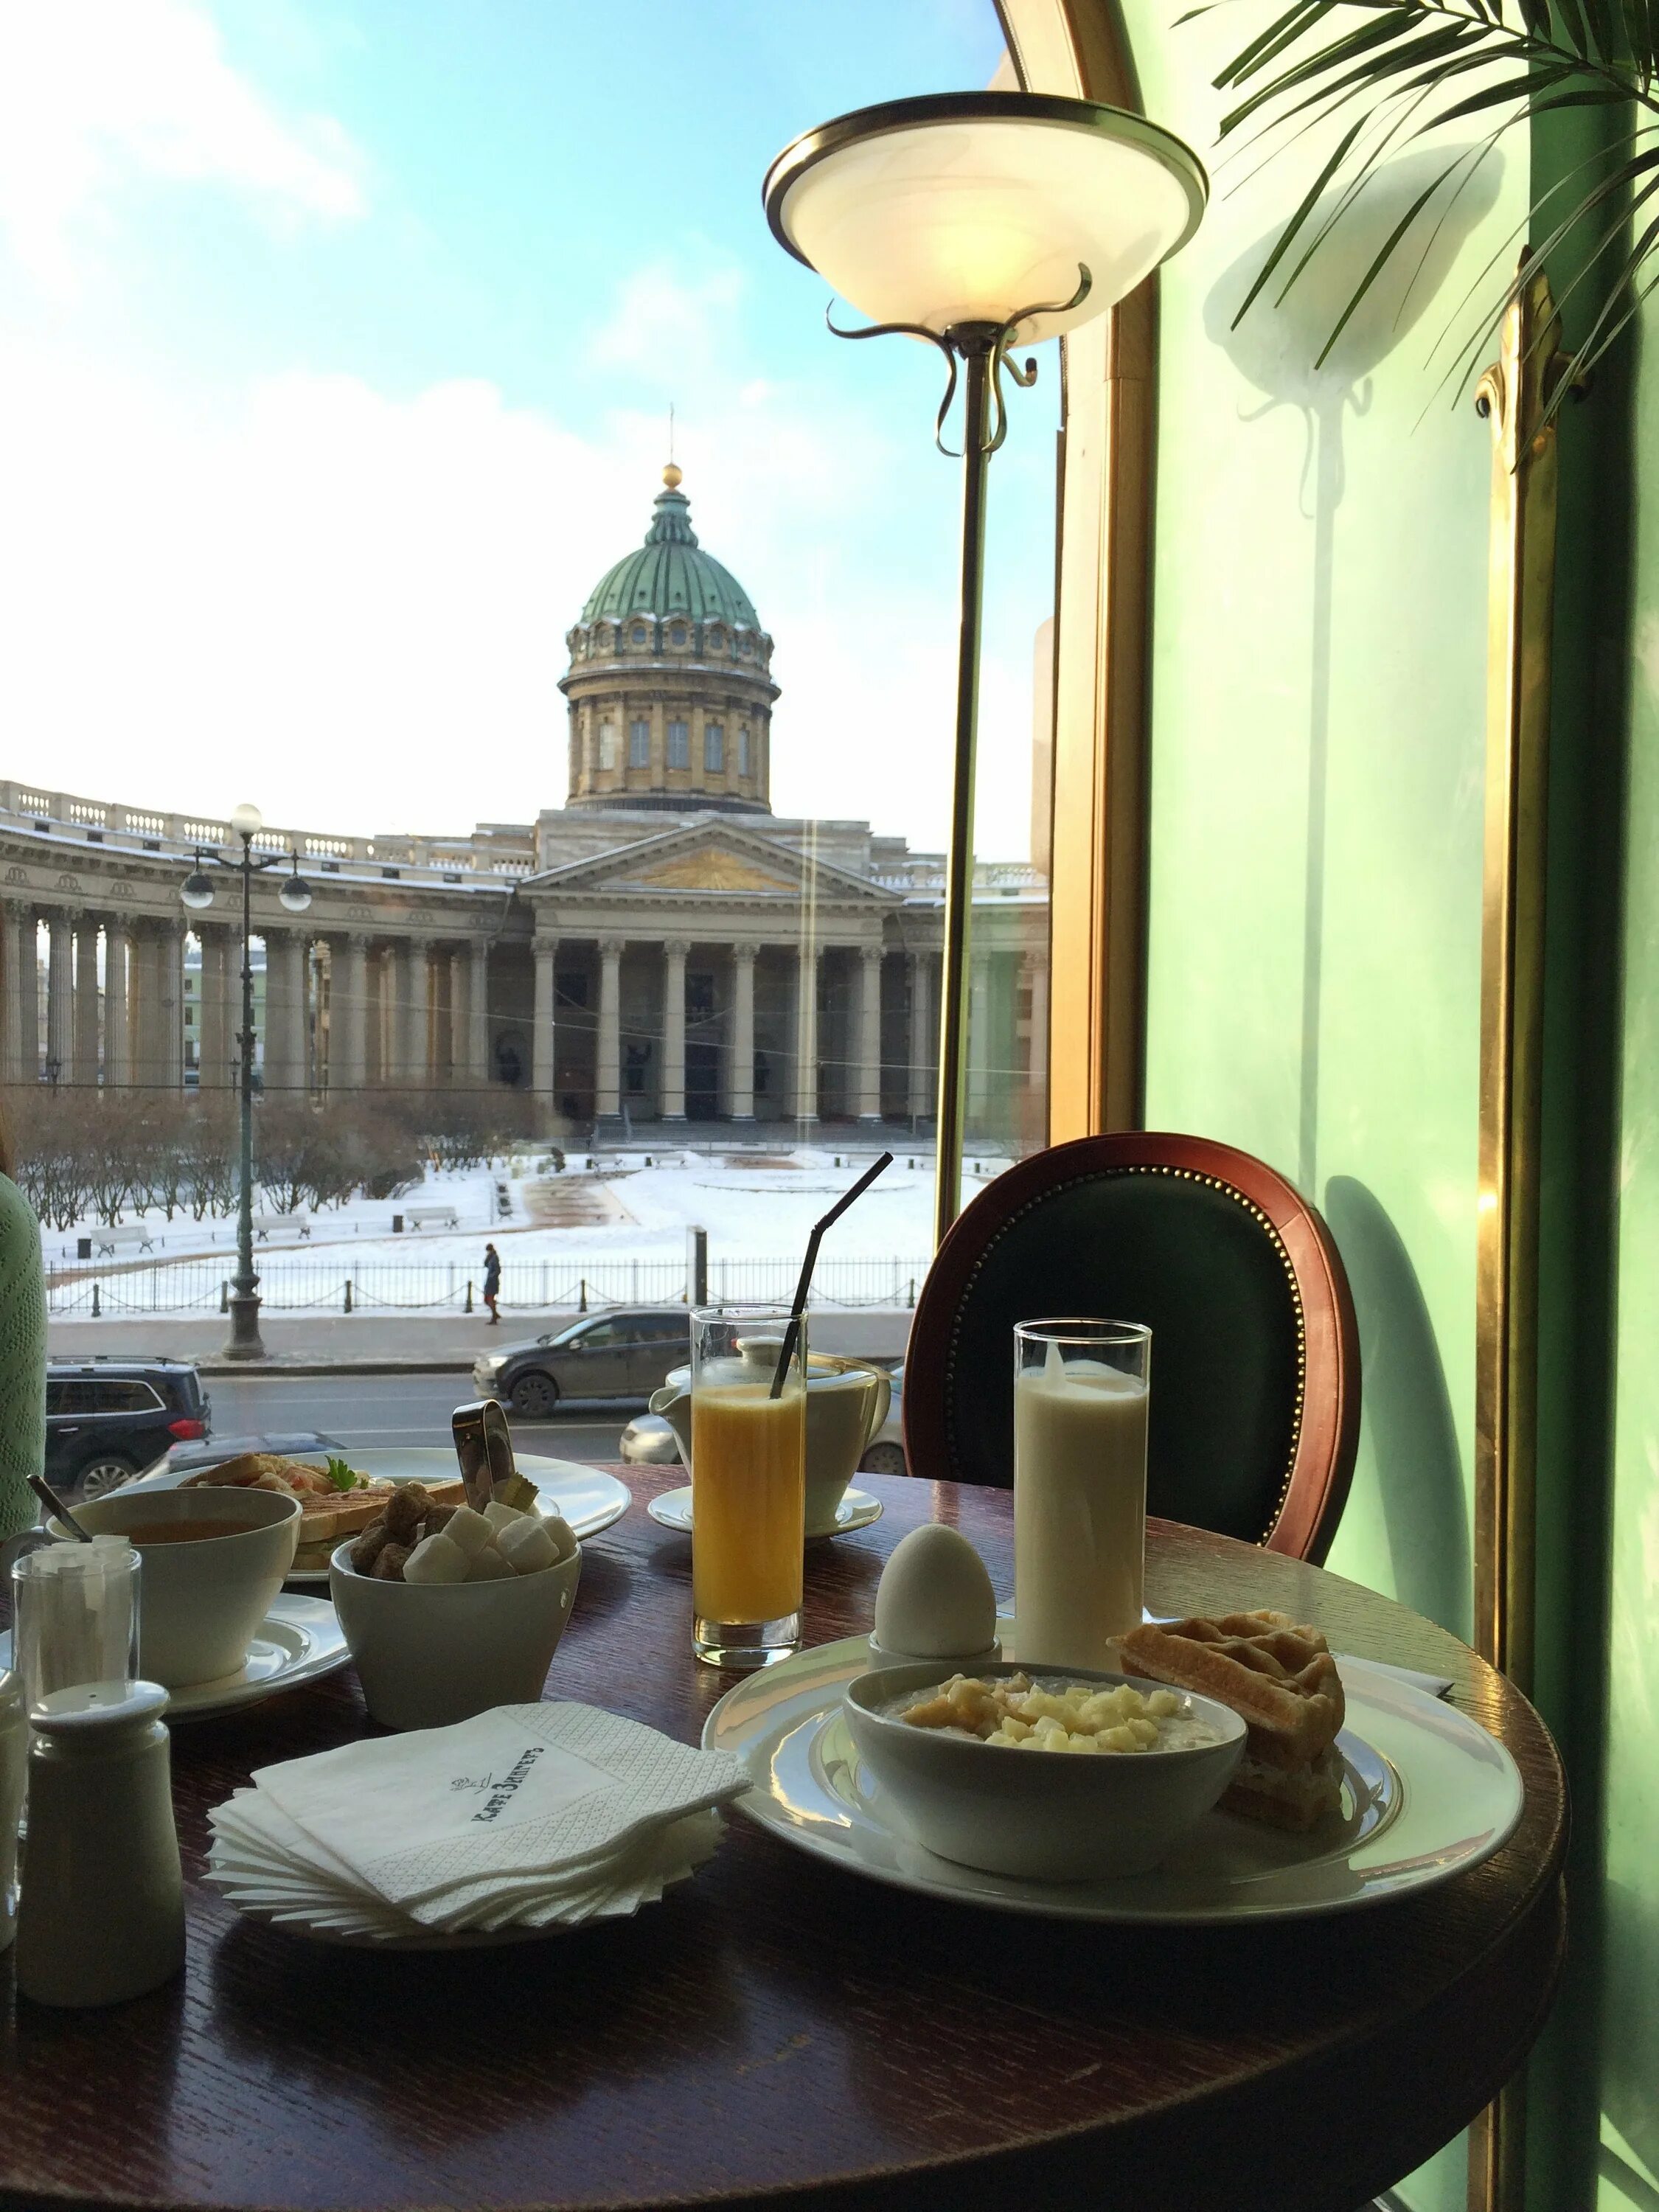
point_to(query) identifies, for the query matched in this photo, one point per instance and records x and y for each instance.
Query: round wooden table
(775, 2029)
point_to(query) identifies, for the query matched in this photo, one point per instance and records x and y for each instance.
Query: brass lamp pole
(197, 893)
(943, 217)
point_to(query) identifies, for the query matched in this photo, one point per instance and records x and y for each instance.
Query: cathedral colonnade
(607, 1023)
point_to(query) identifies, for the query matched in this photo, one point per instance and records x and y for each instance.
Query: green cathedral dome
(670, 574)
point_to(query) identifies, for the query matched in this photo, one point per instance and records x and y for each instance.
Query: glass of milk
(1081, 1389)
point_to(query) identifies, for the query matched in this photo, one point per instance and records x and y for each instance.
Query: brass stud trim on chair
(1209, 1183)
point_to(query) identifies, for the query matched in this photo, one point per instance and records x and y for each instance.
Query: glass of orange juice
(748, 1485)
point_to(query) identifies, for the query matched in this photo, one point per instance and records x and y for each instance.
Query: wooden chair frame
(1326, 1431)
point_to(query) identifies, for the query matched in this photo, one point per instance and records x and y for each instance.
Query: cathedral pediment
(717, 857)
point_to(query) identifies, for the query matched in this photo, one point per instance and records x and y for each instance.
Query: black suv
(108, 1419)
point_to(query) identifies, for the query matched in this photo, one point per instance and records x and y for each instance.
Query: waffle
(1281, 1678)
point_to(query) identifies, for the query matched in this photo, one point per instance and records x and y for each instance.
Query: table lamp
(979, 220)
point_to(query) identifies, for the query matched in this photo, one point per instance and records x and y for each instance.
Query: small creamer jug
(100, 1911)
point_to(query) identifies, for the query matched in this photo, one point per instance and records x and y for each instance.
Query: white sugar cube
(563, 1536)
(469, 1529)
(488, 1566)
(500, 1516)
(527, 1548)
(435, 1559)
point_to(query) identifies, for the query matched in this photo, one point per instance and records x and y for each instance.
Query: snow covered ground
(752, 1211)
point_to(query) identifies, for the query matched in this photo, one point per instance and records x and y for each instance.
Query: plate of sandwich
(340, 1493)
(1356, 1785)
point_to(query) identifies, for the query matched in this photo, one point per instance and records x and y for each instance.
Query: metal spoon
(44, 1490)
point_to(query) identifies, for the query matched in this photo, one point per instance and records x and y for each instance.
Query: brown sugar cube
(439, 1516)
(389, 1567)
(405, 1509)
(369, 1545)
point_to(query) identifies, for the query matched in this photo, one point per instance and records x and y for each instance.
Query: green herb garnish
(342, 1476)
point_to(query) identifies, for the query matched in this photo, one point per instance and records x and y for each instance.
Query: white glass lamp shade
(247, 821)
(295, 894)
(967, 207)
(196, 892)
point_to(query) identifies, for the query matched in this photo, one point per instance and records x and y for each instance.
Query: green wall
(1318, 742)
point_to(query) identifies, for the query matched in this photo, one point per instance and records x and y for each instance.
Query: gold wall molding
(1097, 889)
(1514, 396)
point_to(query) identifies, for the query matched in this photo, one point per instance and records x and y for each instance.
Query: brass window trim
(1097, 885)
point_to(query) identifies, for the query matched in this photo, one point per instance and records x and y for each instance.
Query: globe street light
(979, 220)
(197, 893)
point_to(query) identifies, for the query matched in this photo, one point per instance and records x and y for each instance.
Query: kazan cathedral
(662, 949)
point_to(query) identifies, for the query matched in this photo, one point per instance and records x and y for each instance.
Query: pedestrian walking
(492, 1284)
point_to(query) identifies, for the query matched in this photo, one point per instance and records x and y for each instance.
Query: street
(395, 1409)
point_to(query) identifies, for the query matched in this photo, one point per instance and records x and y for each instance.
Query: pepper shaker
(101, 1913)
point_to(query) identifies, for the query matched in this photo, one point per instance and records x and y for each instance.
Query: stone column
(286, 977)
(141, 1003)
(673, 1028)
(60, 1042)
(869, 1032)
(85, 1039)
(170, 1003)
(478, 1013)
(410, 1026)
(1036, 1050)
(607, 1066)
(118, 1002)
(923, 1041)
(214, 1025)
(348, 1012)
(543, 1033)
(458, 965)
(806, 1033)
(743, 1032)
(20, 999)
(979, 1035)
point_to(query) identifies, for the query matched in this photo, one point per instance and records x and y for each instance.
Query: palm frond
(1423, 67)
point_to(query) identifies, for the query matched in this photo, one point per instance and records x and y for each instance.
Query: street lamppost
(197, 893)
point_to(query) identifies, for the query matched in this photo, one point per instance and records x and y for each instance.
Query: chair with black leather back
(1255, 1411)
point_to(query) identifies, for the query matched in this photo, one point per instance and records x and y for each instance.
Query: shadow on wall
(1277, 345)
(1408, 1412)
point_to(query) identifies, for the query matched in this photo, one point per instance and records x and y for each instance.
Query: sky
(338, 339)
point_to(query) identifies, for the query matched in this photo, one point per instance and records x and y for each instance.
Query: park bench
(126, 1235)
(434, 1217)
(264, 1223)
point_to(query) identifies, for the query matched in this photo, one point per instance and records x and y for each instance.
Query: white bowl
(1043, 1815)
(430, 1653)
(200, 1602)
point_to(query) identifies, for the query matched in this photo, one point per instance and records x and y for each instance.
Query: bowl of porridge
(1051, 1775)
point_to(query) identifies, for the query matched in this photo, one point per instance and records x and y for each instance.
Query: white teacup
(201, 1599)
(430, 1653)
(847, 1402)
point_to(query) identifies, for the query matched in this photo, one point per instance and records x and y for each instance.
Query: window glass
(714, 749)
(743, 768)
(639, 633)
(639, 744)
(109, 1396)
(679, 744)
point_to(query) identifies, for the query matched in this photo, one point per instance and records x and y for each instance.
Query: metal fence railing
(528, 1285)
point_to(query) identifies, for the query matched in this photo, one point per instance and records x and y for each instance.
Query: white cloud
(352, 608)
(94, 92)
(662, 317)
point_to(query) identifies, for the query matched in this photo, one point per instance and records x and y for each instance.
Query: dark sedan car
(108, 1419)
(623, 1354)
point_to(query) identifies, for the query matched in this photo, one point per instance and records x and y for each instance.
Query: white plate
(1427, 1793)
(589, 1499)
(300, 1640)
(857, 1510)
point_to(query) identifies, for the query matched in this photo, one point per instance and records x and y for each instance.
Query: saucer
(857, 1510)
(300, 1640)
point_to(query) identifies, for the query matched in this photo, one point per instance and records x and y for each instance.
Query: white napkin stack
(527, 1817)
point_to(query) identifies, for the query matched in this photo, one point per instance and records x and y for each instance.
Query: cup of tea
(213, 1560)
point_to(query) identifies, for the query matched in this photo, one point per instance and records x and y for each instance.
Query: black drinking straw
(793, 1332)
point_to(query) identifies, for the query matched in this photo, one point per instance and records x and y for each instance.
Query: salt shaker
(14, 1755)
(101, 1913)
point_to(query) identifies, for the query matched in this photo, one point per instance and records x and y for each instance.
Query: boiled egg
(934, 1600)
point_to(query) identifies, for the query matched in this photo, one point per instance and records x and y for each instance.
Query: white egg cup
(951, 1663)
